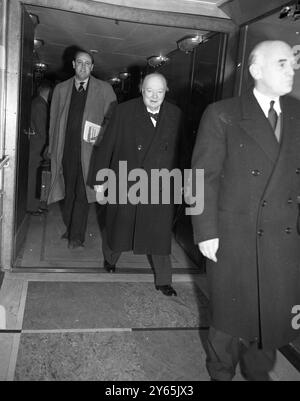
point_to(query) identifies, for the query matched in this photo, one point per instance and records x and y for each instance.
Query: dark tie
(272, 116)
(81, 87)
(155, 116)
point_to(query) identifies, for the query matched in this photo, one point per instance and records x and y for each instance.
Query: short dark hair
(85, 52)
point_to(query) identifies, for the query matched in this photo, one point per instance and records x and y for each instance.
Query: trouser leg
(222, 355)
(109, 255)
(256, 364)
(162, 268)
(70, 177)
(78, 224)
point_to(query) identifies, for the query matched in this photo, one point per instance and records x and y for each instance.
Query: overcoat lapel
(255, 123)
(90, 102)
(67, 93)
(290, 141)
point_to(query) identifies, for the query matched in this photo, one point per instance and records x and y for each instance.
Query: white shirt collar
(150, 111)
(264, 102)
(77, 83)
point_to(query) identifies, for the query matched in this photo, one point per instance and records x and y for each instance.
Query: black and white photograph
(149, 193)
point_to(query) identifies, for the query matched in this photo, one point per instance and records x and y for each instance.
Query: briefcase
(45, 181)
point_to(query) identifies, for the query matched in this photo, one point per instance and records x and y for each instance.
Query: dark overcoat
(39, 123)
(100, 99)
(131, 137)
(252, 188)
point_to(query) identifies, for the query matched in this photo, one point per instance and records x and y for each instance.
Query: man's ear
(255, 71)
(73, 64)
(92, 67)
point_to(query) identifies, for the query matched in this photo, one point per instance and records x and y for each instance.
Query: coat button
(288, 230)
(290, 201)
(298, 170)
(255, 173)
(260, 233)
(264, 203)
(140, 147)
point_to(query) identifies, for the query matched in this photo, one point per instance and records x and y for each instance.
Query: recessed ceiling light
(156, 61)
(114, 80)
(188, 43)
(34, 18)
(40, 66)
(38, 43)
(124, 75)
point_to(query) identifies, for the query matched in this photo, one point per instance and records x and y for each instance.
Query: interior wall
(2, 96)
(13, 21)
(2, 23)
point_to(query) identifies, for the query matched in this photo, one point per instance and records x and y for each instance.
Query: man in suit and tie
(144, 132)
(80, 106)
(249, 148)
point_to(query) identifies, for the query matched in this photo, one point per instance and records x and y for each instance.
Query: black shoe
(75, 244)
(109, 268)
(167, 290)
(65, 235)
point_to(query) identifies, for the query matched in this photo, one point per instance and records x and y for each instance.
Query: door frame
(95, 8)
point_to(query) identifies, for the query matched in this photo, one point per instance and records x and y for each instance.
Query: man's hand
(210, 248)
(100, 192)
(99, 188)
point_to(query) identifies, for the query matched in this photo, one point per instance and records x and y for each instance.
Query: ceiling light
(124, 75)
(114, 80)
(285, 12)
(40, 67)
(292, 11)
(34, 18)
(188, 43)
(94, 51)
(156, 61)
(38, 43)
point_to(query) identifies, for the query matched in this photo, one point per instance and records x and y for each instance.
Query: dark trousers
(75, 207)
(161, 264)
(34, 179)
(224, 352)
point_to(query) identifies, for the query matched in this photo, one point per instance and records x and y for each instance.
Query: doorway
(118, 46)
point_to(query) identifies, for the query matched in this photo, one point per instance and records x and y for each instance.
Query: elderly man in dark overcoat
(80, 108)
(144, 132)
(249, 148)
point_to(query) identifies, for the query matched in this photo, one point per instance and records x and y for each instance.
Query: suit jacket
(99, 102)
(131, 137)
(251, 188)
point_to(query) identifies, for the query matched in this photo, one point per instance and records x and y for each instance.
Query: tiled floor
(111, 331)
